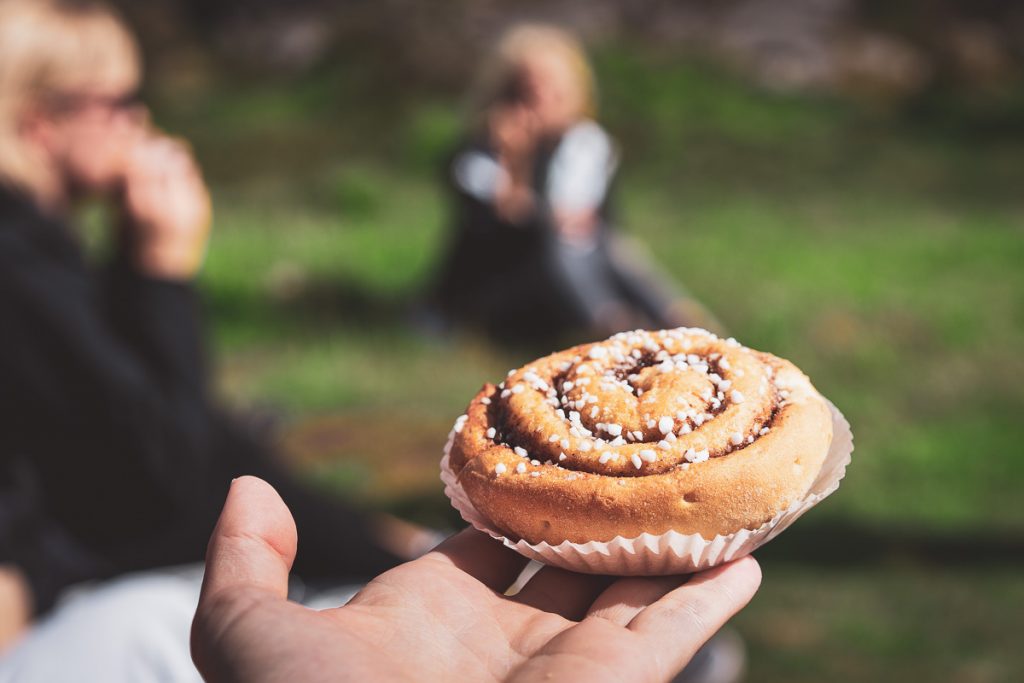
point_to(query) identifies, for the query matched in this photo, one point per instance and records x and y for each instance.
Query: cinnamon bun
(645, 432)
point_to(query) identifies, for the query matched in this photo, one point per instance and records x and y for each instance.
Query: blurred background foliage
(839, 181)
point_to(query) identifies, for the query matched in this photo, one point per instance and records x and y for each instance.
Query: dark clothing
(112, 457)
(488, 259)
(523, 281)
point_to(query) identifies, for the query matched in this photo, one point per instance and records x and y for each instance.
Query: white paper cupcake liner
(671, 552)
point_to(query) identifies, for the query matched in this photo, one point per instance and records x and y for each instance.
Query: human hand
(514, 203)
(513, 131)
(166, 209)
(15, 604)
(443, 616)
(514, 136)
(577, 225)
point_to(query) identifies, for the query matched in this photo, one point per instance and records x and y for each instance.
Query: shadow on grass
(283, 310)
(348, 302)
(846, 543)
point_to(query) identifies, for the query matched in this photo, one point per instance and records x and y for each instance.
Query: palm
(470, 628)
(443, 616)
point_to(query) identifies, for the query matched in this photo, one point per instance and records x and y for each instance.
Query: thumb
(253, 545)
(247, 561)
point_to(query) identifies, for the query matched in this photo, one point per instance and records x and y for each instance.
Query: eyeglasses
(67, 103)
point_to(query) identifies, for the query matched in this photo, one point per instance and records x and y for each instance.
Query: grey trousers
(133, 628)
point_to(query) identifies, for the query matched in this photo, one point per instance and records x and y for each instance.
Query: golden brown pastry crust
(645, 432)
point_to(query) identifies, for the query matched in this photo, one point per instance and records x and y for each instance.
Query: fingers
(677, 625)
(562, 592)
(480, 556)
(253, 545)
(166, 208)
(626, 598)
(658, 641)
(158, 156)
(158, 166)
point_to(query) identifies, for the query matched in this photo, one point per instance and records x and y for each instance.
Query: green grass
(884, 624)
(906, 314)
(882, 254)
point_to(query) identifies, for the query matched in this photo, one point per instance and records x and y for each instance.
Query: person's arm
(162, 235)
(106, 390)
(102, 423)
(579, 175)
(160, 321)
(478, 174)
(444, 616)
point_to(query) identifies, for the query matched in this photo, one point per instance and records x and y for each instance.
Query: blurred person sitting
(113, 456)
(534, 254)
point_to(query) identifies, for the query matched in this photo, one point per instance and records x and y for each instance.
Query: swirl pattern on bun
(643, 433)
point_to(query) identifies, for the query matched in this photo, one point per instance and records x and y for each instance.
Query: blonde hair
(54, 47)
(515, 48)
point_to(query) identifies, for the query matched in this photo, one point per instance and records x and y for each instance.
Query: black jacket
(111, 455)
